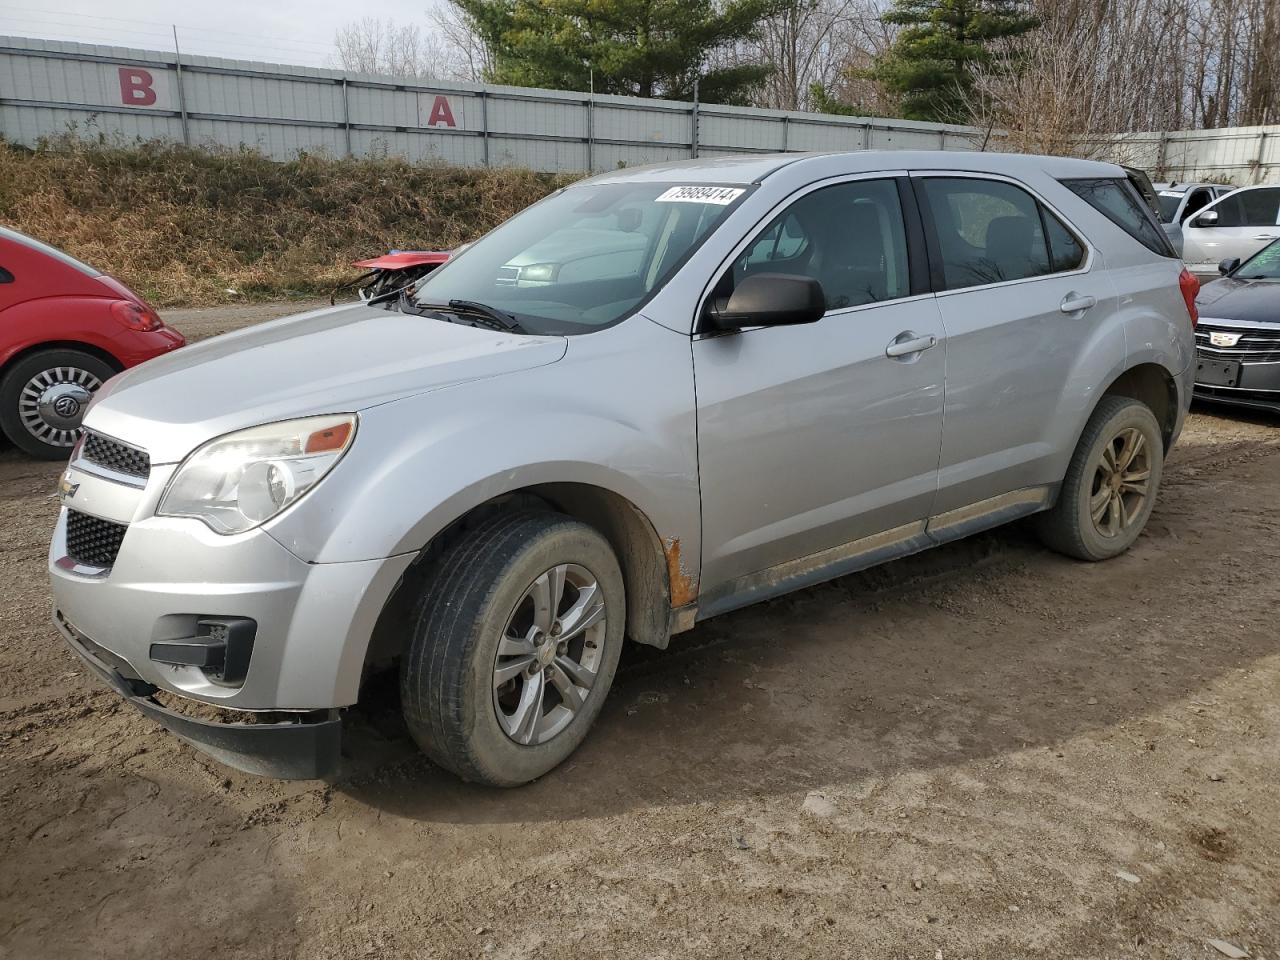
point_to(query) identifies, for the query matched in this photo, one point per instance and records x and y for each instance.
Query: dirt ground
(985, 751)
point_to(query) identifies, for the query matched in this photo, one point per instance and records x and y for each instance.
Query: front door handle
(907, 343)
(1265, 236)
(1075, 303)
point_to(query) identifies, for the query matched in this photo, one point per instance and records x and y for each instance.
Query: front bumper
(311, 623)
(306, 747)
(1259, 388)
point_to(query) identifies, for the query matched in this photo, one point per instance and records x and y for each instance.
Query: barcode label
(721, 196)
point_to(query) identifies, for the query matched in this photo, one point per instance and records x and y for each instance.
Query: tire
(1091, 483)
(64, 375)
(483, 593)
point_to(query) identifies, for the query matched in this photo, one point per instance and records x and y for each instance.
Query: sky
(282, 31)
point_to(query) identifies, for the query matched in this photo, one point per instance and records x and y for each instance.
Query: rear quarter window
(1118, 200)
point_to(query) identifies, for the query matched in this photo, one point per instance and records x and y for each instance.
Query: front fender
(616, 413)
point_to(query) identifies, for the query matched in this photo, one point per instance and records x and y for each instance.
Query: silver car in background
(1236, 225)
(784, 369)
(1176, 202)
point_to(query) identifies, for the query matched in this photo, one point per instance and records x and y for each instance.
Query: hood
(1254, 301)
(335, 360)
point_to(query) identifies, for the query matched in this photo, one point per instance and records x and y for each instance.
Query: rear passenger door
(1020, 297)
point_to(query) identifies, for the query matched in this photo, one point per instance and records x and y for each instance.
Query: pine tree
(929, 63)
(639, 48)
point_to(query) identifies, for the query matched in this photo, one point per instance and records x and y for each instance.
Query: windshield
(1168, 202)
(1263, 265)
(584, 257)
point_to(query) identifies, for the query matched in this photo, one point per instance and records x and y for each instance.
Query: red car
(64, 329)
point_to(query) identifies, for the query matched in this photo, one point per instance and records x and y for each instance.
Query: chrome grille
(115, 455)
(1256, 345)
(93, 541)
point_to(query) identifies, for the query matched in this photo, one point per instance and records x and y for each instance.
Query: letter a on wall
(435, 110)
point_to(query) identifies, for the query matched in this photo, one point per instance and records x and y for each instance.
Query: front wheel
(515, 642)
(43, 398)
(1111, 483)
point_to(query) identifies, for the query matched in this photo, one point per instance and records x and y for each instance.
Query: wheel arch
(648, 562)
(92, 349)
(1153, 385)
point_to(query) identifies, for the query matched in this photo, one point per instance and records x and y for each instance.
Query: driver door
(818, 444)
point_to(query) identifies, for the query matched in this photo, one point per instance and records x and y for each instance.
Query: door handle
(899, 347)
(1265, 236)
(1075, 303)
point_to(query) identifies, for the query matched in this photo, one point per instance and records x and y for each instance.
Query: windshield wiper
(495, 318)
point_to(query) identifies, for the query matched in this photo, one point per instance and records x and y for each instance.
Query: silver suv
(787, 368)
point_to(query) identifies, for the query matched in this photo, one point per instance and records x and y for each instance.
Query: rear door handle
(1265, 236)
(1075, 303)
(898, 347)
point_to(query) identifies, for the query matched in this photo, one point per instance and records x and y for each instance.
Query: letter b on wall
(142, 87)
(137, 87)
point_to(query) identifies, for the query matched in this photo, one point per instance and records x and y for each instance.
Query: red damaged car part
(393, 270)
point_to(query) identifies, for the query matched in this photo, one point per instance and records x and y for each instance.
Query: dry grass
(182, 226)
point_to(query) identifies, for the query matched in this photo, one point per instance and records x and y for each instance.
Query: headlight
(236, 482)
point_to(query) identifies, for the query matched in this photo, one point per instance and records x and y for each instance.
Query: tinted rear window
(49, 251)
(1118, 200)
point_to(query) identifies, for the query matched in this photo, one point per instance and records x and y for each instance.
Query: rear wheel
(1111, 483)
(515, 643)
(43, 398)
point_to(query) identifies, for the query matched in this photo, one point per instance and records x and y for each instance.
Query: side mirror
(770, 300)
(1207, 219)
(1227, 265)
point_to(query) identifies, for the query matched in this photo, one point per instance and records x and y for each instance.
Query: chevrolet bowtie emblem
(66, 488)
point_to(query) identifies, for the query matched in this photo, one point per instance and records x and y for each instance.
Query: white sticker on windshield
(721, 196)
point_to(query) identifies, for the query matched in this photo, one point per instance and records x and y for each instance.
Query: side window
(1260, 208)
(785, 240)
(849, 237)
(987, 231)
(1230, 212)
(1065, 251)
(1119, 201)
(1197, 200)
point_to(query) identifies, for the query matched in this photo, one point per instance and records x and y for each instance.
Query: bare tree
(373, 45)
(1098, 69)
(463, 54)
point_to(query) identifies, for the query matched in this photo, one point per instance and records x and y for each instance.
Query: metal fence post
(693, 122)
(484, 124)
(182, 97)
(866, 136)
(1262, 152)
(786, 127)
(346, 115)
(591, 132)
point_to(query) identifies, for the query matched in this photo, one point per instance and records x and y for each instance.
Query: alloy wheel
(549, 654)
(1121, 482)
